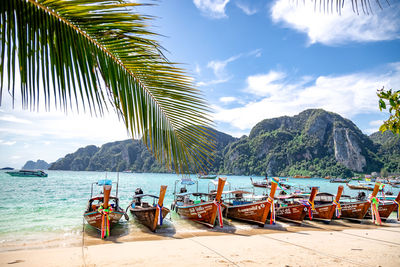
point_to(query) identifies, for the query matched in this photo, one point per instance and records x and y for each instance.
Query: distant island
(313, 143)
(7, 169)
(38, 165)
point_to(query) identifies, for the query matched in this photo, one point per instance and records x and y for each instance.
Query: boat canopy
(104, 182)
(194, 194)
(187, 181)
(236, 192)
(144, 195)
(215, 182)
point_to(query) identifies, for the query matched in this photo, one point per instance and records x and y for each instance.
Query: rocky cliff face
(38, 165)
(128, 155)
(314, 142)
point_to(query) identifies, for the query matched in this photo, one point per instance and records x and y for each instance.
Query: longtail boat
(293, 208)
(339, 180)
(200, 211)
(267, 184)
(149, 215)
(361, 186)
(326, 205)
(385, 208)
(250, 209)
(207, 176)
(356, 210)
(103, 210)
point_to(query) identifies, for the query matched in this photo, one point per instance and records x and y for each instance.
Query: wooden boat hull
(323, 212)
(384, 211)
(94, 218)
(146, 216)
(294, 213)
(255, 212)
(204, 213)
(355, 210)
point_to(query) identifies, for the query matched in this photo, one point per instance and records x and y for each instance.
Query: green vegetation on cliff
(314, 143)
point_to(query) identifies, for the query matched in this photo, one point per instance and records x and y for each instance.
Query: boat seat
(145, 205)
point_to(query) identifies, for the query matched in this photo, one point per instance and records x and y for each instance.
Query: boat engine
(183, 190)
(138, 191)
(361, 196)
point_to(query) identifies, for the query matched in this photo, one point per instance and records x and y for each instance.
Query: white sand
(353, 247)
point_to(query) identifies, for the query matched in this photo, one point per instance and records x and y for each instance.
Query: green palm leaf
(357, 5)
(97, 54)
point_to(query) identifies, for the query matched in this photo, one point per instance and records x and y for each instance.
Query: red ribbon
(219, 209)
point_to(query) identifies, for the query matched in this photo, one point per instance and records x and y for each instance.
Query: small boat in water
(207, 176)
(265, 183)
(293, 208)
(361, 186)
(205, 209)
(103, 210)
(149, 215)
(339, 180)
(249, 208)
(28, 173)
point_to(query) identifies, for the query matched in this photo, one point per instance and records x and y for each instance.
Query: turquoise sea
(46, 211)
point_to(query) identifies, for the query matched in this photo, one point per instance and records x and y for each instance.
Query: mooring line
(313, 250)
(213, 250)
(369, 238)
(83, 242)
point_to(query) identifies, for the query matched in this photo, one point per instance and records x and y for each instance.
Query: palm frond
(336, 6)
(96, 54)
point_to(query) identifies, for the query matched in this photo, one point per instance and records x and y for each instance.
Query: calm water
(42, 209)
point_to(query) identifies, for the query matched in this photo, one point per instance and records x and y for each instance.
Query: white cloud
(219, 69)
(376, 123)
(8, 143)
(374, 127)
(246, 9)
(348, 95)
(265, 84)
(197, 69)
(333, 28)
(212, 8)
(227, 99)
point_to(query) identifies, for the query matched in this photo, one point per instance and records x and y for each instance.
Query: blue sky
(252, 60)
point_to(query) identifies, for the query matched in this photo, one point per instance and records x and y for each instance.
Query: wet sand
(237, 244)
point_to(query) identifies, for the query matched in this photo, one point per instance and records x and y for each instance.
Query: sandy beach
(316, 245)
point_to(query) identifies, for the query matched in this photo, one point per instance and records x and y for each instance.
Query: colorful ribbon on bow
(279, 185)
(338, 209)
(105, 220)
(374, 210)
(310, 206)
(219, 210)
(160, 218)
(398, 209)
(272, 209)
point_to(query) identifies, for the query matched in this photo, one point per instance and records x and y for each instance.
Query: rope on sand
(83, 242)
(310, 249)
(207, 247)
(369, 238)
